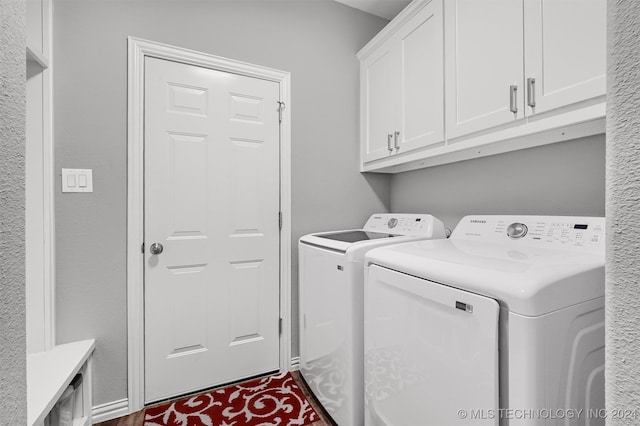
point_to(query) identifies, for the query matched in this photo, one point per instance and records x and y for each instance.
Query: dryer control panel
(576, 232)
(405, 224)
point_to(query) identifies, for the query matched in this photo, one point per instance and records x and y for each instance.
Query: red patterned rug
(273, 400)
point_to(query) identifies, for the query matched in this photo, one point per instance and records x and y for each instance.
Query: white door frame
(138, 49)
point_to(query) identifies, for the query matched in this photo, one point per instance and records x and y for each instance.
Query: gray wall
(13, 376)
(564, 178)
(623, 213)
(314, 40)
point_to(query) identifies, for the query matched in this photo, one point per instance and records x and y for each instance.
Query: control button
(392, 222)
(595, 239)
(517, 230)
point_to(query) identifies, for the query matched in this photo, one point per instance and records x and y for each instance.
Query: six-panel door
(211, 200)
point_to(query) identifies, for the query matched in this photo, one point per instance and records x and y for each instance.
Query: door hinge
(281, 107)
(280, 326)
(142, 248)
(280, 220)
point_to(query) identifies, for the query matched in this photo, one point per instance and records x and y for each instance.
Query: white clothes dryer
(502, 323)
(332, 307)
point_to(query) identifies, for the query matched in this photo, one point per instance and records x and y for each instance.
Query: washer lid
(352, 240)
(381, 228)
(355, 236)
(529, 277)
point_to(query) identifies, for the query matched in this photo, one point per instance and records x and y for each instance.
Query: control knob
(517, 230)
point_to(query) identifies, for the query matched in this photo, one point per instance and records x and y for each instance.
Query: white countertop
(49, 373)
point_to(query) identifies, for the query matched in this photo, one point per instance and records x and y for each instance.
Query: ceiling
(387, 9)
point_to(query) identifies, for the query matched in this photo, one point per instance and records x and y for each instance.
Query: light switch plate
(77, 180)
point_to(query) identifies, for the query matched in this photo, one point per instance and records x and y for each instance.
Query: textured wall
(314, 40)
(565, 178)
(623, 210)
(13, 406)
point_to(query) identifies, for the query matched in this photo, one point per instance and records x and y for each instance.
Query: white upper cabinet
(401, 84)
(378, 105)
(565, 52)
(451, 80)
(483, 64)
(420, 116)
(510, 59)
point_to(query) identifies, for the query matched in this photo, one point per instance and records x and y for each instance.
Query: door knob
(156, 248)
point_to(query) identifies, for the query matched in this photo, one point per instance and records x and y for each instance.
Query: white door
(379, 86)
(483, 60)
(420, 121)
(565, 48)
(211, 193)
(430, 351)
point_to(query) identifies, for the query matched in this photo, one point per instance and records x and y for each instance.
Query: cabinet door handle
(389, 136)
(396, 135)
(513, 99)
(531, 92)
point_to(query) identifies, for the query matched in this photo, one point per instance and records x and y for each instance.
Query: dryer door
(431, 353)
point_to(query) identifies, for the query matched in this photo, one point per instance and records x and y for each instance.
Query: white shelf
(34, 55)
(49, 373)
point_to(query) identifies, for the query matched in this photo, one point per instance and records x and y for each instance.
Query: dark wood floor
(137, 418)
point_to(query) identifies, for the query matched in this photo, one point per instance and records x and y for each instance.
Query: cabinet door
(420, 101)
(378, 84)
(565, 48)
(483, 59)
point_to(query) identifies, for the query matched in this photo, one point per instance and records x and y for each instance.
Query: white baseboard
(295, 363)
(110, 410)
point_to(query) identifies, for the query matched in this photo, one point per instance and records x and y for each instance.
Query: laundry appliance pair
(502, 323)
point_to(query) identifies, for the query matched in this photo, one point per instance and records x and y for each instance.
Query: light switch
(77, 180)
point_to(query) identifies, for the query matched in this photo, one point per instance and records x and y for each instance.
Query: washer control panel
(550, 231)
(405, 224)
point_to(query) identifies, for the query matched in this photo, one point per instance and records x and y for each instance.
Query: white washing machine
(332, 307)
(502, 323)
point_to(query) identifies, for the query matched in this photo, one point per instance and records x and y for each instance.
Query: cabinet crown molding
(394, 25)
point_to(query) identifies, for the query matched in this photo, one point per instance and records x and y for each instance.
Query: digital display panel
(580, 226)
